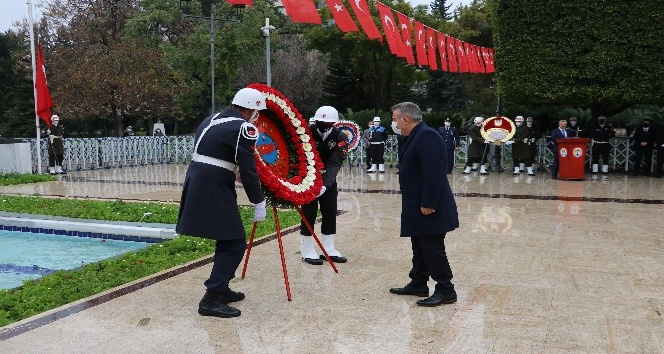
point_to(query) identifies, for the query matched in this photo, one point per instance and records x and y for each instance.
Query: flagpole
(34, 80)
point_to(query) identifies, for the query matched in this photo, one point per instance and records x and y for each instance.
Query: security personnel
(450, 135)
(533, 135)
(332, 146)
(377, 138)
(575, 128)
(644, 142)
(224, 144)
(521, 147)
(55, 146)
(478, 149)
(600, 136)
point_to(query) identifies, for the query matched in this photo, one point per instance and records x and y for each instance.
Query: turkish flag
(472, 63)
(432, 42)
(442, 51)
(361, 9)
(341, 16)
(461, 56)
(391, 31)
(451, 54)
(490, 65)
(420, 43)
(477, 51)
(407, 38)
(44, 100)
(304, 11)
(241, 2)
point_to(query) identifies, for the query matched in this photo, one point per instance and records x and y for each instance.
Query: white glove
(487, 142)
(259, 212)
(509, 142)
(663, 145)
(48, 131)
(322, 190)
(525, 140)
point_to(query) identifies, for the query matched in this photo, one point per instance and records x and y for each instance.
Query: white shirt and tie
(564, 133)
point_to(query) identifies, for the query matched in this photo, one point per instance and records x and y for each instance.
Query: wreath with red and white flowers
(352, 131)
(286, 159)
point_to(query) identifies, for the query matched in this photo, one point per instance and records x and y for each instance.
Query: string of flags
(433, 48)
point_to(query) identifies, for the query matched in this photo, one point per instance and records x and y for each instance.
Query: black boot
(215, 304)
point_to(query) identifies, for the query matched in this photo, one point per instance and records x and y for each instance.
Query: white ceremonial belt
(215, 162)
(600, 142)
(376, 143)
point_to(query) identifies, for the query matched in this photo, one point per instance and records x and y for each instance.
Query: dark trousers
(376, 152)
(601, 150)
(528, 161)
(368, 162)
(227, 257)
(54, 160)
(554, 167)
(328, 211)
(450, 160)
(430, 260)
(640, 153)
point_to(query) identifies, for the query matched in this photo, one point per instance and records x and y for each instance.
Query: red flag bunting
(420, 44)
(363, 15)
(461, 56)
(241, 2)
(407, 38)
(442, 51)
(431, 48)
(478, 55)
(304, 11)
(490, 65)
(341, 16)
(44, 100)
(472, 64)
(391, 31)
(451, 55)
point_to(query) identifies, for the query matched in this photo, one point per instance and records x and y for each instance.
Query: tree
(603, 55)
(441, 10)
(17, 110)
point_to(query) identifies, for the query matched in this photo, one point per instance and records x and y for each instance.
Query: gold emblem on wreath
(496, 130)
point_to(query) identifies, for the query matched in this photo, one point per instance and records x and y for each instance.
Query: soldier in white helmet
(224, 144)
(377, 138)
(55, 146)
(478, 149)
(332, 146)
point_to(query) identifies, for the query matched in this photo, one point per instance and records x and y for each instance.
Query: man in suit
(644, 143)
(450, 135)
(560, 132)
(428, 209)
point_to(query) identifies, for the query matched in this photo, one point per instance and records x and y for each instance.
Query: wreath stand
(281, 247)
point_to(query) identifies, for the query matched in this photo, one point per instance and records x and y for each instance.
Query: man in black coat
(601, 147)
(428, 209)
(644, 143)
(224, 143)
(332, 146)
(450, 135)
(557, 133)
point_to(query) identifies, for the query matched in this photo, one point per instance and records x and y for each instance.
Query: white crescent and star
(419, 36)
(357, 3)
(388, 23)
(338, 7)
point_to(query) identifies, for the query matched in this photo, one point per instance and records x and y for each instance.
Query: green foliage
(17, 110)
(364, 117)
(604, 55)
(66, 286)
(8, 179)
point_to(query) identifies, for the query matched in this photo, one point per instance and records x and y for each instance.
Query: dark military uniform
(477, 151)
(451, 137)
(55, 145)
(377, 138)
(646, 135)
(601, 147)
(208, 207)
(521, 147)
(333, 150)
(576, 131)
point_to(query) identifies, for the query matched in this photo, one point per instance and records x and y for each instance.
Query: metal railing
(104, 153)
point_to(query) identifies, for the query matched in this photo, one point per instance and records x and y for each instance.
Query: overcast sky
(17, 10)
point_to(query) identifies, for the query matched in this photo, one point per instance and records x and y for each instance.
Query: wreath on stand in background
(286, 159)
(352, 131)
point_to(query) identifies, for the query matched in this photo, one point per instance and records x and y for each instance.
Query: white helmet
(249, 98)
(327, 114)
(376, 119)
(55, 117)
(518, 119)
(478, 120)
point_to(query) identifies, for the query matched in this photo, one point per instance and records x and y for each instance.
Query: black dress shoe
(409, 290)
(226, 297)
(335, 259)
(438, 299)
(211, 306)
(313, 261)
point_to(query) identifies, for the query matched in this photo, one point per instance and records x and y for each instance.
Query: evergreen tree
(441, 10)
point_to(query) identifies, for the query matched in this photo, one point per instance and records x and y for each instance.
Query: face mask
(376, 124)
(324, 126)
(447, 124)
(529, 124)
(55, 122)
(518, 124)
(572, 123)
(254, 116)
(394, 127)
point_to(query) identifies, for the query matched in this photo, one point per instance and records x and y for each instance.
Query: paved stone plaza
(540, 266)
